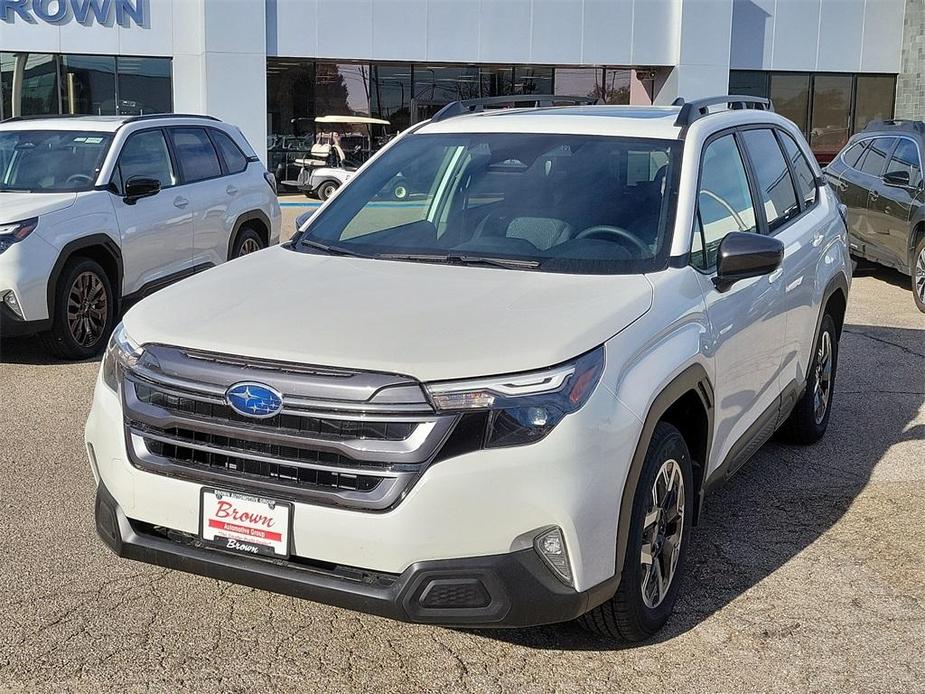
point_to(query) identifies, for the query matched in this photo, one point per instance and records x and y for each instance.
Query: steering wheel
(77, 179)
(603, 231)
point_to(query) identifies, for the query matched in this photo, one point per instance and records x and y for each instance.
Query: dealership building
(272, 66)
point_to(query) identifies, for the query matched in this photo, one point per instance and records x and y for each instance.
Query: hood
(428, 321)
(16, 207)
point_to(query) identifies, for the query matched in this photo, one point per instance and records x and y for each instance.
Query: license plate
(245, 524)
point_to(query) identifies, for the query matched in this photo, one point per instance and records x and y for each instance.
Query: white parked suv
(97, 211)
(502, 400)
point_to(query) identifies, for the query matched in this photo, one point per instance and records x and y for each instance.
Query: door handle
(874, 195)
(231, 190)
(180, 202)
(818, 238)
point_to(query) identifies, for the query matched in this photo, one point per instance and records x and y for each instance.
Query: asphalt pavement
(807, 571)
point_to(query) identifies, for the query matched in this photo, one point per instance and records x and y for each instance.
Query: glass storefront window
(789, 93)
(830, 125)
(532, 80)
(875, 99)
(40, 85)
(617, 86)
(390, 94)
(88, 85)
(748, 83)
(341, 89)
(144, 86)
(579, 81)
(7, 60)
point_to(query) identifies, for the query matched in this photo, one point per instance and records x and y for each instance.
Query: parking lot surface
(807, 571)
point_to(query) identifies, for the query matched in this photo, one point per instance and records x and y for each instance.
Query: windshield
(555, 203)
(51, 161)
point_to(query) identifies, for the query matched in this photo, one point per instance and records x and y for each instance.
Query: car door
(205, 184)
(156, 231)
(871, 167)
(852, 187)
(746, 322)
(787, 185)
(893, 200)
(240, 193)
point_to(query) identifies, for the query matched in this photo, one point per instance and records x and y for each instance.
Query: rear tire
(247, 241)
(327, 189)
(84, 311)
(918, 274)
(810, 417)
(659, 534)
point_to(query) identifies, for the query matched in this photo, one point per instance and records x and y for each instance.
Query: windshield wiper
(331, 250)
(455, 259)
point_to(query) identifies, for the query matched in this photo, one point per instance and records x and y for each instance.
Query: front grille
(353, 439)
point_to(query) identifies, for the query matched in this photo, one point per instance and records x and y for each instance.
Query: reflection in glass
(390, 94)
(579, 81)
(748, 83)
(830, 124)
(144, 86)
(88, 84)
(790, 96)
(341, 89)
(875, 95)
(617, 86)
(290, 113)
(533, 80)
(40, 85)
(7, 60)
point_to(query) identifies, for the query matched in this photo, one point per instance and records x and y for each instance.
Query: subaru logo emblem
(254, 400)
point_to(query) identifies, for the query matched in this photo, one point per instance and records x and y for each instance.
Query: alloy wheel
(87, 309)
(822, 389)
(662, 533)
(919, 283)
(249, 246)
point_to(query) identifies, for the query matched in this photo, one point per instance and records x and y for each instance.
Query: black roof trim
(694, 110)
(459, 108)
(915, 126)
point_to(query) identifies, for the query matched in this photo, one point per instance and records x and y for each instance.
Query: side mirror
(899, 179)
(742, 255)
(139, 187)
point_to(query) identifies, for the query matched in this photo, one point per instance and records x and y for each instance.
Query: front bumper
(12, 325)
(505, 590)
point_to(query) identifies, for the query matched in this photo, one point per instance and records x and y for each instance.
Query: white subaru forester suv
(501, 400)
(98, 211)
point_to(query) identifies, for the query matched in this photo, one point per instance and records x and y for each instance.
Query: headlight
(16, 232)
(122, 352)
(523, 408)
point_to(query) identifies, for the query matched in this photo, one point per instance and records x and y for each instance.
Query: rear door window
(775, 187)
(853, 154)
(197, 157)
(802, 171)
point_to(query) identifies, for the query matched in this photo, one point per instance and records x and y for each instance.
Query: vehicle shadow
(786, 497)
(28, 351)
(866, 268)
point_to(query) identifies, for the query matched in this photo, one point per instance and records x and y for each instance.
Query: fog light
(13, 303)
(550, 545)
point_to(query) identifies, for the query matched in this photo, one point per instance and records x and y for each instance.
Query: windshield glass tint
(563, 203)
(51, 161)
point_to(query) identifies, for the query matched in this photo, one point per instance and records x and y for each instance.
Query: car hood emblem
(254, 400)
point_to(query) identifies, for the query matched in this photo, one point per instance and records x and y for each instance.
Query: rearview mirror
(897, 178)
(139, 187)
(742, 255)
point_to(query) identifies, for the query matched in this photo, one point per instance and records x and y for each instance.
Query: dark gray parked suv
(878, 176)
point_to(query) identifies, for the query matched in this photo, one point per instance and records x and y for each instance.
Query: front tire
(84, 311)
(656, 551)
(918, 274)
(810, 417)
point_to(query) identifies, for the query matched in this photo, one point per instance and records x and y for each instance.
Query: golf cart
(338, 151)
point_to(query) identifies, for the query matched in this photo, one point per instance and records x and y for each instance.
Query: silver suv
(97, 211)
(502, 399)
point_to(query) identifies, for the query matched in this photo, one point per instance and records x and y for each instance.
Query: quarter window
(802, 172)
(852, 155)
(235, 161)
(145, 155)
(775, 187)
(875, 156)
(724, 203)
(198, 160)
(906, 158)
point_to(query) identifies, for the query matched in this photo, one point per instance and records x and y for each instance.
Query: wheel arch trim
(242, 220)
(693, 378)
(103, 241)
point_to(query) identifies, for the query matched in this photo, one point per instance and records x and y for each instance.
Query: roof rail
(459, 108)
(155, 116)
(898, 123)
(49, 116)
(693, 110)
